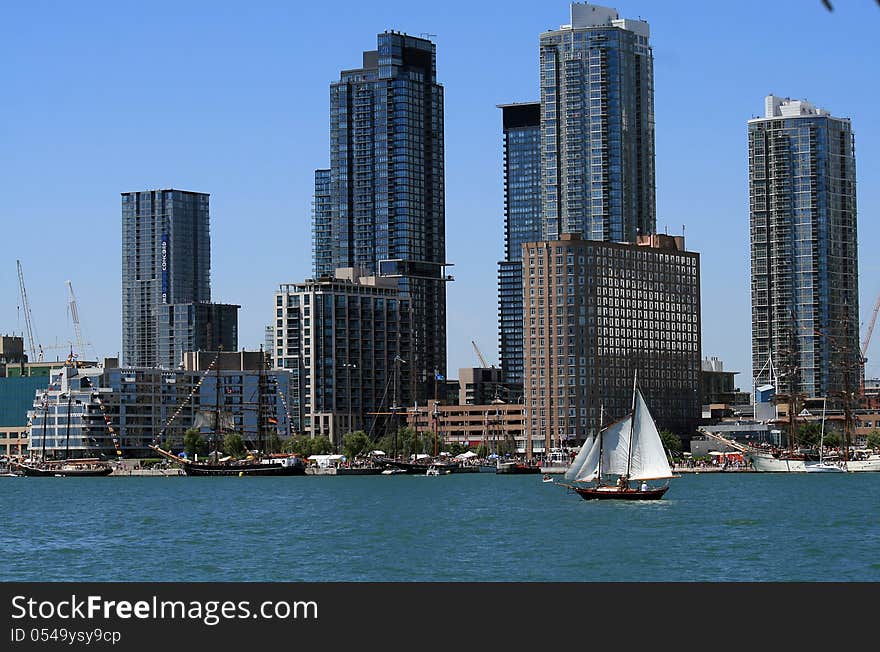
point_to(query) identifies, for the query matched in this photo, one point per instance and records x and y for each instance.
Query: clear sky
(232, 99)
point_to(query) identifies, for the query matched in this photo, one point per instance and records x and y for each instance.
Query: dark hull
(36, 472)
(261, 470)
(592, 493)
(517, 469)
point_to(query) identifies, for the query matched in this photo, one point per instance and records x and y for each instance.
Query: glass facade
(384, 199)
(338, 340)
(522, 223)
(195, 327)
(804, 258)
(166, 259)
(597, 127)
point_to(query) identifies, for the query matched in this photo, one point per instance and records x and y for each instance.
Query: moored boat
(516, 468)
(73, 468)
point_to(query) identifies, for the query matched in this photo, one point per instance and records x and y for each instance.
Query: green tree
(456, 448)
(809, 433)
(874, 439)
(320, 445)
(671, 441)
(194, 443)
(356, 443)
(233, 444)
(832, 438)
(169, 444)
(482, 450)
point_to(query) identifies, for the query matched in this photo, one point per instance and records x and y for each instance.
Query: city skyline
(253, 128)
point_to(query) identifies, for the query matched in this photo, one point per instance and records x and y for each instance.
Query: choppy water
(469, 527)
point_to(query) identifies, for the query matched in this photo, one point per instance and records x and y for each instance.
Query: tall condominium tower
(805, 299)
(597, 127)
(596, 313)
(522, 223)
(382, 207)
(166, 259)
(341, 338)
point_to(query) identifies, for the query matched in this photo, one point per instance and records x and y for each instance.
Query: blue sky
(232, 99)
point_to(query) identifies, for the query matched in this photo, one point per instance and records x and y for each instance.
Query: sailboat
(67, 467)
(629, 450)
(256, 464)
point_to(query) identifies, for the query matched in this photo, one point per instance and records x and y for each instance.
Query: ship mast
(599, 434)
(260, 380)
(45, 420)
(632, 425)
(67, 444)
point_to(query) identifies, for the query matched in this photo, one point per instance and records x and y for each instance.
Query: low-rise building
(492, 425)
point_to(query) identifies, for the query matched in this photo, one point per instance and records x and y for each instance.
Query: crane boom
(74, 316)
(867, 339)
(33, 343)
(480, 355)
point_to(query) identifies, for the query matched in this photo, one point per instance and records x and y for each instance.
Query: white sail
(648, 456)
(614, 444)
(580, 458)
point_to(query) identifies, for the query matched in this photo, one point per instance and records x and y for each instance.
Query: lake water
(466, 527)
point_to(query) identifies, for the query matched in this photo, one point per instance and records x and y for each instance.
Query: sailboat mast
(260, 403)
(45, 421)
(395, 378)
(632, 424)
(67, 444)
(217, 429)
(599, 434)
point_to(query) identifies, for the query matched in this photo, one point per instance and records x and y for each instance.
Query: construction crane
(480, 355)
(867, 339)
(74, 316)
(33, 343)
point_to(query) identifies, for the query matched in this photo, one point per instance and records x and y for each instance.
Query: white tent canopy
(466, 456)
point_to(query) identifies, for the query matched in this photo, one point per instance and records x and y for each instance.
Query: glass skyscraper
(804, 257)
(597, 127)
(166, 259)
(522, 223)
(381, 207)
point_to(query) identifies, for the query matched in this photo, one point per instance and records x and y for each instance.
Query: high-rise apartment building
(166, 259)
(381, 205)
(597, 127)
(804, 254)
(347, 342)
(187, 327)
(595, 314)
(522, 223)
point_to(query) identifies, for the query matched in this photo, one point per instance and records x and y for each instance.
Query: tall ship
(218, 422)
(69, 433)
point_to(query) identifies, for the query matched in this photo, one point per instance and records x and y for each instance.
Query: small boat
(824, 467)
(547, 478)
(631, 450)
(393, 471)
(513, 467)
(436, 470)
